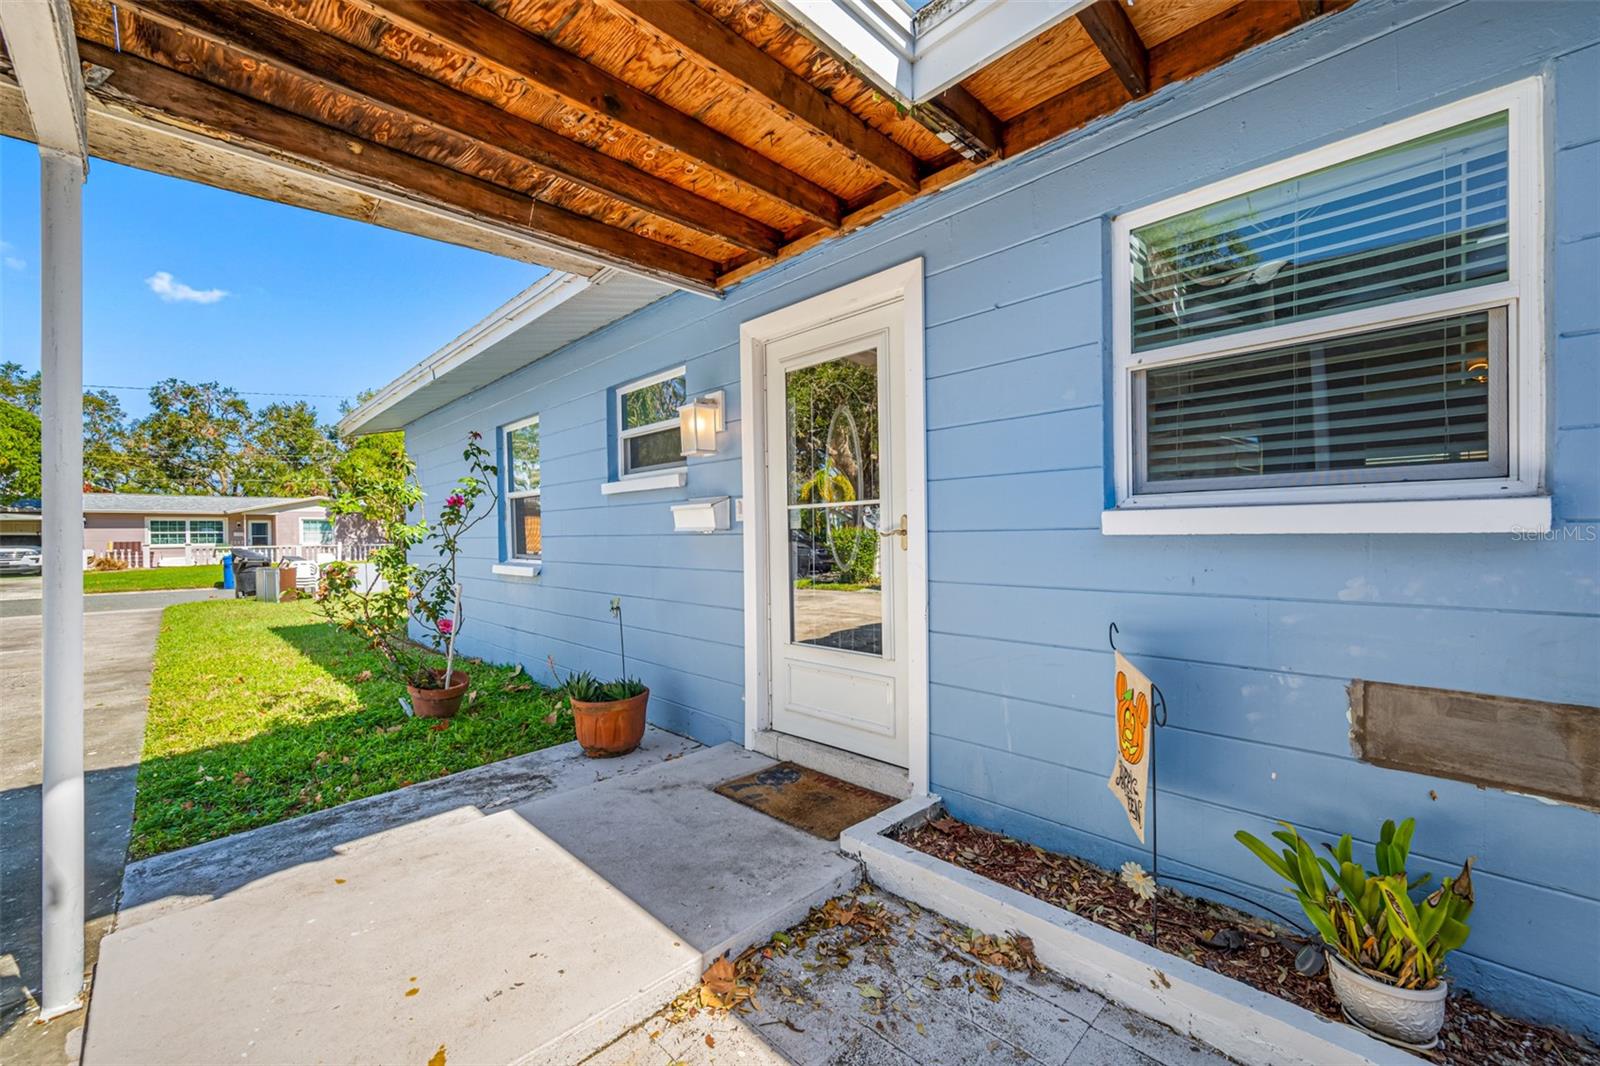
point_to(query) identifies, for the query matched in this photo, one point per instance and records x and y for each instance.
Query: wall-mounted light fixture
(699, 422)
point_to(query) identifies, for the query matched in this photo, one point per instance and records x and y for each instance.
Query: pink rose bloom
(456, 500)
(445, 626)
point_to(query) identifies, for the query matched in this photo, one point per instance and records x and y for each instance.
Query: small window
(1358, 323)
(523, 513)
(166, 531)
(648, 437)
(316, 531)
(205, 531)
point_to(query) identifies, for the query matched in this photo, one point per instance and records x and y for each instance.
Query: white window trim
(188, 532)
(625, 435)
(1522, 295)
(513, 561)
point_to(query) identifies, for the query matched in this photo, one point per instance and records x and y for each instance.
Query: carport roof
(157, 503)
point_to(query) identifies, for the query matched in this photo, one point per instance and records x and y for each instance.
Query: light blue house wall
(1253, 639)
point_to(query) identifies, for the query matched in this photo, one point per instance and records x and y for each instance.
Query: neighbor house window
(171, 531)
(1357, 323)
(648, 437)
(524, 521)
(316, 531)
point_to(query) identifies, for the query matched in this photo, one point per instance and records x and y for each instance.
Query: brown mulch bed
(1220, 938)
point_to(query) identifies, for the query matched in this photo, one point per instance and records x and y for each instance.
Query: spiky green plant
(1369, 917)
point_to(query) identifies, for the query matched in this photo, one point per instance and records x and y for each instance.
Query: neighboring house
(149, 529)
(20, 523)
(1290, 371)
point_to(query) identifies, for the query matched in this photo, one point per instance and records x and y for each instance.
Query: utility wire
(241, 392)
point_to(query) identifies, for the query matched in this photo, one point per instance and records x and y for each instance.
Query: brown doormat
(796, 795)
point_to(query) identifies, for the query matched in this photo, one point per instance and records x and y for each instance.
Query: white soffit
(916, 55)
(545, 317)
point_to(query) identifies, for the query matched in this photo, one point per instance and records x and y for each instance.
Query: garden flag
(1131, 775)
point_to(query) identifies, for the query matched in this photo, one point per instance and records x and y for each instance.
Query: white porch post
(44, 57)
(61, 358)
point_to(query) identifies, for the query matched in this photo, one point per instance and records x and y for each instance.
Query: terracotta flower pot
(440, 702)
(1409, 1016)
(612, 728)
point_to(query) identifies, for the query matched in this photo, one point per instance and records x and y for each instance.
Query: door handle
(903, 533)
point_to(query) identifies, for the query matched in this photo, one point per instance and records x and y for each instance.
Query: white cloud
(9, 257)
(172, 291)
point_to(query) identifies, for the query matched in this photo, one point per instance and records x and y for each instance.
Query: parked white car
(23, 560)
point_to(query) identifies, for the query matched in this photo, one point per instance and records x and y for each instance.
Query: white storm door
(836, 489)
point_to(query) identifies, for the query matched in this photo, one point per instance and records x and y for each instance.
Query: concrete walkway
(24, 603)
(534, 932)
(117, 686)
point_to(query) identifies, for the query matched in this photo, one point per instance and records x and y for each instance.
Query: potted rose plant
(607, 716)
(399, 598)
(1385, 949)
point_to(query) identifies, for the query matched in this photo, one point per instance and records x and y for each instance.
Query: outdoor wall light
(699, 422)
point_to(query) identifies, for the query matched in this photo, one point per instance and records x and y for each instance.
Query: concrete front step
(531, 934)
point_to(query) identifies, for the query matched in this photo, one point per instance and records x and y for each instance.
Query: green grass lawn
(156, 577)
(262, 711)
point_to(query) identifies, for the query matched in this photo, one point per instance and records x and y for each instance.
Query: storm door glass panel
(835, 578)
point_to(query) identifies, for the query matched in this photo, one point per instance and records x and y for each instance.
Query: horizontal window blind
(1424, 217)
(1419, 401)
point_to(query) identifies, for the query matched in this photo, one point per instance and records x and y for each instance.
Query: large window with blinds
(1355, 320)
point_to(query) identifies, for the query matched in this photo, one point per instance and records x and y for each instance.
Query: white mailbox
(706, 515)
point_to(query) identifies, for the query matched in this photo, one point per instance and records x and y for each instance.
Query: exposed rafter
(697, 33)
(491, 40)
(963, 123)
(1113, 33)
(342, 67)
(161, 91)
(39, 41)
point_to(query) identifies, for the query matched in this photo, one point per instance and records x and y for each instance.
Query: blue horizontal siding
(1253, 639)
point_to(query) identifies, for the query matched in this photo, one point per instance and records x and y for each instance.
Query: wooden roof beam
(699, 34)
(960, 120)
(346, 69)
(156, 90)
(1194, 51)
(1113, 33)
(486, 38)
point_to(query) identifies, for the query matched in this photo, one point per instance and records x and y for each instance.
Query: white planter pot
(1406, 1015)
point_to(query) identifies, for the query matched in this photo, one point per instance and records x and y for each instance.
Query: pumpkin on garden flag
(1131, 775)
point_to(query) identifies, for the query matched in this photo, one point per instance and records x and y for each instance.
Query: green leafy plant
(382, 612)
(624, 688)
(581, 686)
(1369, 917)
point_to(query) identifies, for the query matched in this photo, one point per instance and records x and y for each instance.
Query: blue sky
(183, 280)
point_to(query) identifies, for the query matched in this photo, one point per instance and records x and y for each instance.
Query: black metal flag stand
(1158, 719)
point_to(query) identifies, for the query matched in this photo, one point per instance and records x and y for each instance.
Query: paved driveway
(120, 647)
(25, 602)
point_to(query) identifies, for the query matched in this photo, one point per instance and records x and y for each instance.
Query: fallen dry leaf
(365, 675)
(438, 1057)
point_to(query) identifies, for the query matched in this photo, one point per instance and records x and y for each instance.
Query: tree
(287, 453)
(189, 442)
(19, 453)
(19, 389)
(107, 465)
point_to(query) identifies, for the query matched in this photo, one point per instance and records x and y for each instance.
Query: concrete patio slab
(163, 883)
(930, 1009)
(532, 934)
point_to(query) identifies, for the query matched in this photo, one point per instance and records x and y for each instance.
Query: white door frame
(901, 287)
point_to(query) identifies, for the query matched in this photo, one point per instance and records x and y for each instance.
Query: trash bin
(227, 571)
(247, 565)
